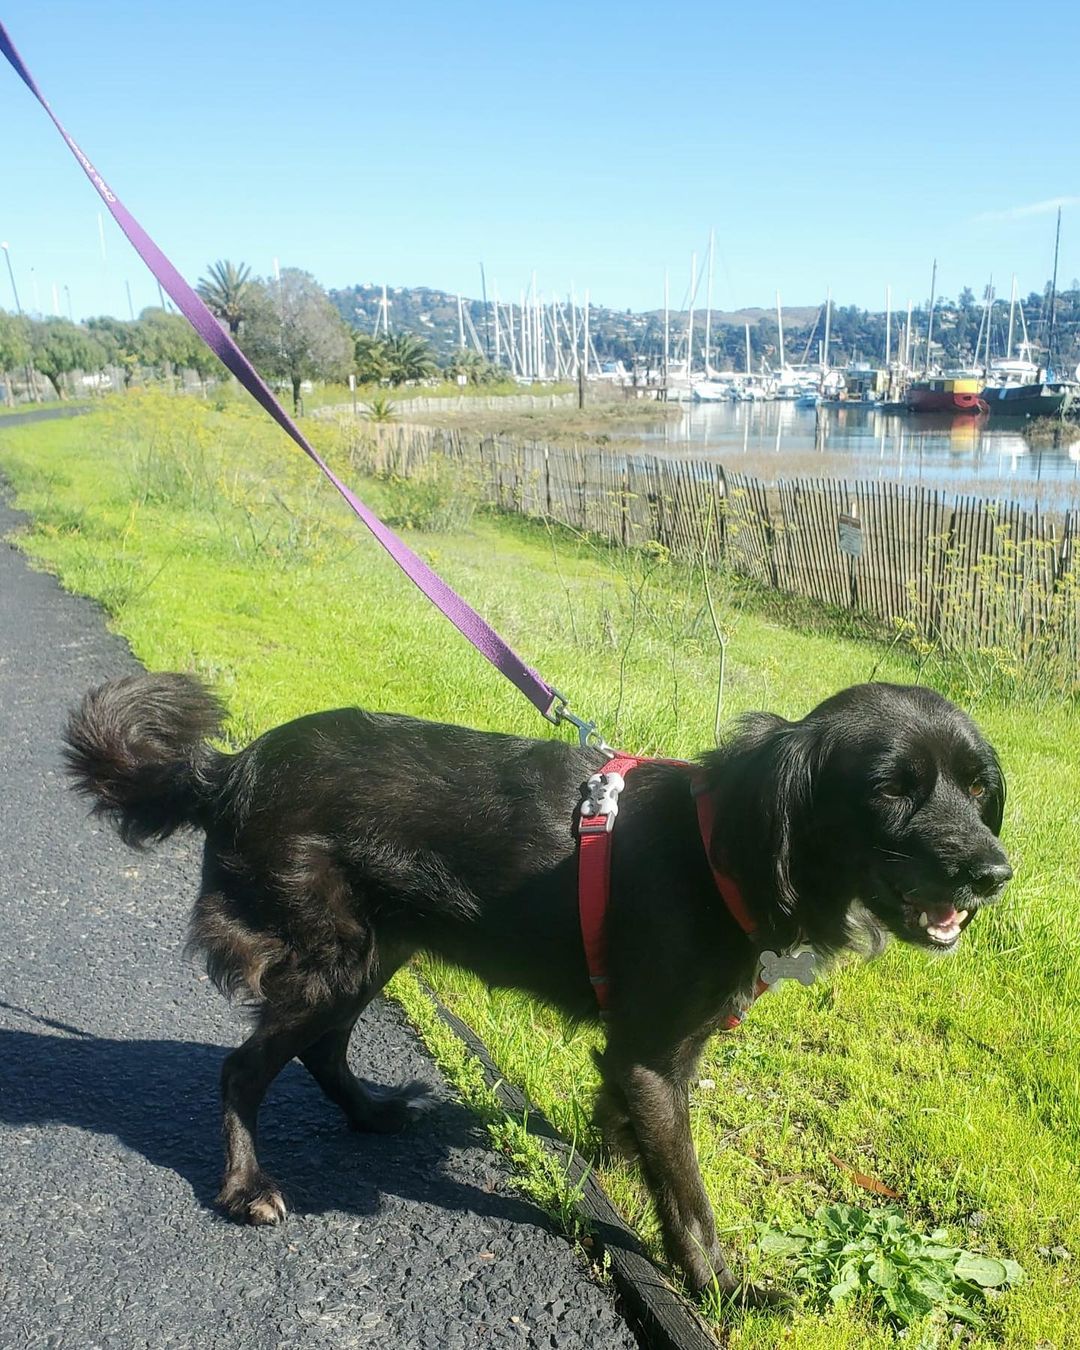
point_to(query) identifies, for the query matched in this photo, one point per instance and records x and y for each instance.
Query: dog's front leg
(659, 1111)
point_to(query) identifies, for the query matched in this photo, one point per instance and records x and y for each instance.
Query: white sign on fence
(849, 534)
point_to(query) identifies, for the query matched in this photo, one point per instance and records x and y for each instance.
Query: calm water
(964, 454)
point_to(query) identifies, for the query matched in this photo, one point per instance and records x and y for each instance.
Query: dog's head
(881, 811)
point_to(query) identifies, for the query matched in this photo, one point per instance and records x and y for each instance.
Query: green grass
(214, 547)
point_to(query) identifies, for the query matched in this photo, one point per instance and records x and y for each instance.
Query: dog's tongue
(942, 922)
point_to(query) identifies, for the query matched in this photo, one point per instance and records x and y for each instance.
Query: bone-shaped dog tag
(800, 964)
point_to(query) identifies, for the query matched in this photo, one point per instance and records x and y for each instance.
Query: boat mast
(987, 311)
(487, 316)
(780, 332)
(1053, 304)
(586, 331)
(828, 321)
(748, 370)
(1026, 343)
(907, 337)
(690, 324)
(667, 323)
(888, 326)
(930, 317)
(460, 324)
(574, 331)
(1012, 319)
(708, 306)
(537, 335)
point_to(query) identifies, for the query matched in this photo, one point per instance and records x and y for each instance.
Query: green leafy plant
(381, 409)
(880, 1257)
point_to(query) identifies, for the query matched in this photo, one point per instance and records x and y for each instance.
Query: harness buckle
(588, 736)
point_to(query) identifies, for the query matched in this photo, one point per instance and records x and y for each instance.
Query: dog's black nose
(988, 878)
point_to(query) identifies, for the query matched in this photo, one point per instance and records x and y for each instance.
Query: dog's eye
(977, 790)
(895, 789)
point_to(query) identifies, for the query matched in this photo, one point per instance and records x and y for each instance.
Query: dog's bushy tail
(137, 746)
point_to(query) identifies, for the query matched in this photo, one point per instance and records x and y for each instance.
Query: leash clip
(588, 736)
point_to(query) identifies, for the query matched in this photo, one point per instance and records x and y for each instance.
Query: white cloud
(1032, 209)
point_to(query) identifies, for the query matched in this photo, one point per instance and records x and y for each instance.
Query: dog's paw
(385, 1110)
(252, 1199)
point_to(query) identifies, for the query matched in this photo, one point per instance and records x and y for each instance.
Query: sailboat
(710, 389)
(1018, 387)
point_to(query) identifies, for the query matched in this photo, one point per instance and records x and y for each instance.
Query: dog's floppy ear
(784, 800)
(764, 791)
(995, 810)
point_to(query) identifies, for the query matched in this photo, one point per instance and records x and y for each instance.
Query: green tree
(369, 353)
(408, 358)
(60, 347)
(294, 333)
(228, 292)
(167, 343)
(473, 367)
(119, 338)
(14, 349)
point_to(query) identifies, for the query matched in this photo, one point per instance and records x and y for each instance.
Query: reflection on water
(971, 454)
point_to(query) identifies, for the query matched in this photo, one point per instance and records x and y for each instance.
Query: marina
(781, 439)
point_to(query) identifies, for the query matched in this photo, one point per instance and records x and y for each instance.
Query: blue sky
(829, 144)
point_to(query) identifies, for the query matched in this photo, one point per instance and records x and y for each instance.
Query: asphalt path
(110, 1048)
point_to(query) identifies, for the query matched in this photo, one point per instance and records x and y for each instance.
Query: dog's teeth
(961, 915)
(923, 919)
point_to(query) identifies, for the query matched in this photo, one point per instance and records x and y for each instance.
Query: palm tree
(380, 409)
(227, 292)
(408, 358)
(371, 363)
(474, 368)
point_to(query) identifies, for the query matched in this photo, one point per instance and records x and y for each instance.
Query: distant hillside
(855, 334)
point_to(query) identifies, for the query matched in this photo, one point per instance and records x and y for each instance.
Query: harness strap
(595, 824)
(594, 877)
(706, 814)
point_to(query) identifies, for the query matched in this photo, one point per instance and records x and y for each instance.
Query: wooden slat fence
(962, 570)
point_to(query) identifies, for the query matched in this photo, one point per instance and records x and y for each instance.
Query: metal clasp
(588, 736)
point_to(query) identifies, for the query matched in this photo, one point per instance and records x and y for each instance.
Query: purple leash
(547, 699)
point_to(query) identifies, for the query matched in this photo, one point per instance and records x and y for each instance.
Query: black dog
(340, 844)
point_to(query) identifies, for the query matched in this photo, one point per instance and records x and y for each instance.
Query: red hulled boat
(946, 394)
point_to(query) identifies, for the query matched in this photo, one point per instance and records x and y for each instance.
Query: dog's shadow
(159, 1098)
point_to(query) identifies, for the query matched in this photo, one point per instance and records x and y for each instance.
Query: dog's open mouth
(936, 925)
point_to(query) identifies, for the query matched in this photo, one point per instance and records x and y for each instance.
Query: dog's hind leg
(367, 1106)
(247, 1193)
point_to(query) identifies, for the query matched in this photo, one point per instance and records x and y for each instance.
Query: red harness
(594, 877)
